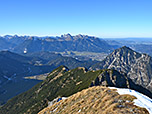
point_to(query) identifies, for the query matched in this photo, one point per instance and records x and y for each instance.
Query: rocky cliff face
(137, 66)
(112, 78)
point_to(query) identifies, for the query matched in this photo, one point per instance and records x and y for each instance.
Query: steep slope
(97, 100)
(137, 66)
(15, 67)
(64, 82)
(58, 83)
(64, 43)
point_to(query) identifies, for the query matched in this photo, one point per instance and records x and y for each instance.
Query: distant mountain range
(142, 45)
(55, 44)
(67, 42)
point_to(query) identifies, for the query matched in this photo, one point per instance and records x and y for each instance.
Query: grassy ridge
(64, 82)
(58, 83)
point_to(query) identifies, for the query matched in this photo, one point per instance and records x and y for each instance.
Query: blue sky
(102, 18)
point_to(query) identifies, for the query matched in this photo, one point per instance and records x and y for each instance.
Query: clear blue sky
(102, 18)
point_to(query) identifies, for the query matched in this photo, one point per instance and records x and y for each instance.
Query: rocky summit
(137, 66)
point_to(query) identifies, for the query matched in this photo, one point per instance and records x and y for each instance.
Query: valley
(75, 57)
(63, 66)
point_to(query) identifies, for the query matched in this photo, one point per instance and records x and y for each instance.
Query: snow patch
(79, 111)
(50, 103)
(141, 101)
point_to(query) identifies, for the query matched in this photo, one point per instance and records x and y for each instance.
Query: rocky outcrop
(112, 78)
(138, 67)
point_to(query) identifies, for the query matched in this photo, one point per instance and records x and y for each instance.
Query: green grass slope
(62, 82)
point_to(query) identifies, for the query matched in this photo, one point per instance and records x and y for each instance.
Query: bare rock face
(137, 66)
(112, 78)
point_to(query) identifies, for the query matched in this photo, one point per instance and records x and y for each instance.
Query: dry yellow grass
(38, 77)
(96, 100)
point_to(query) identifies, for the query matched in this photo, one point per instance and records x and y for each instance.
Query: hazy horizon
(72, 35)
(104, 18)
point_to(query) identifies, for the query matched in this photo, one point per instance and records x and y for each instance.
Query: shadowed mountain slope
(15, 67)
(64, 82)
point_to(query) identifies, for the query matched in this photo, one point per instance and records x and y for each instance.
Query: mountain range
(66, 42)
(142, 45)
(27, 63)
(65, 82)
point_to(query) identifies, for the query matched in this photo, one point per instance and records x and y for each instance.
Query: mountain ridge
(97, 100)
(64, 82)
(65, 42)
(15, 67)
(137, 66)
